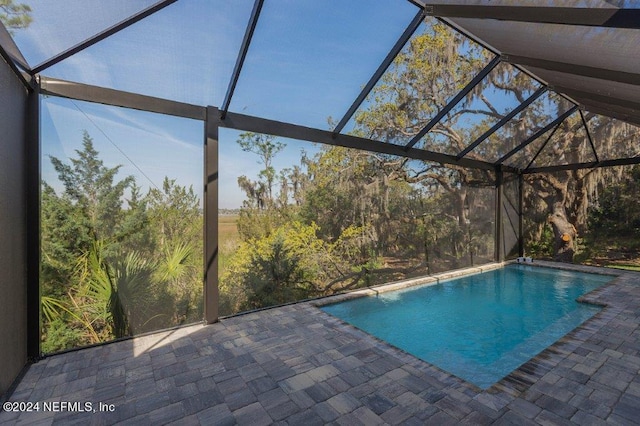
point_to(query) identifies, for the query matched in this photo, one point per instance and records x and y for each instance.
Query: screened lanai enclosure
(165, 162)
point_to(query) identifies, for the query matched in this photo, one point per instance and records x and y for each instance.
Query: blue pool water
(478, 327)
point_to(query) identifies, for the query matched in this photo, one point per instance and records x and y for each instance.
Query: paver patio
(297, 365)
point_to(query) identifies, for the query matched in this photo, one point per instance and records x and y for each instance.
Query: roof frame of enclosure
(83, 92)
(615, 104)
(242, 55)
(517, 110)
(616, 21)
(537, 134)
(594, 17)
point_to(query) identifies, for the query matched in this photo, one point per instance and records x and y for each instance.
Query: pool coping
(407, 283)
(526, 375)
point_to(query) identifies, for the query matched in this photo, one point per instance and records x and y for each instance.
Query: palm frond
(174, 264)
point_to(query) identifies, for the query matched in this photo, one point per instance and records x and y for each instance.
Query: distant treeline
(228, 212)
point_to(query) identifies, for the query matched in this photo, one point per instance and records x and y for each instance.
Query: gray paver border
(590, 374)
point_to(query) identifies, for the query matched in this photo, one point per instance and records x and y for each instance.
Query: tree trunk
(564, 234)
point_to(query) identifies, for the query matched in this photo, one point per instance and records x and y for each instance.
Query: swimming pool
(478, 327)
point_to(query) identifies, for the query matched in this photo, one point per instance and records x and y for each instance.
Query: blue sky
(149, 146)
(308, 61)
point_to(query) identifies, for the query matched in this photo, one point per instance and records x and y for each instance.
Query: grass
(619, 252)
(227, 228)
(626, 267)
(228, 239)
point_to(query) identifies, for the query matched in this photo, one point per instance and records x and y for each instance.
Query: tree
(109, 300)
(118, 292)
(88, 209)
(176, 220)
(88, 213)
(135, 231)
(266, 207)
(289, 264)
(429, 71)
(350, 187)
(616, 213)
(115, 262)
(90, 185)
(65, 233)
(14, 15)
(566, 196)
(175, 213)
(266, 147)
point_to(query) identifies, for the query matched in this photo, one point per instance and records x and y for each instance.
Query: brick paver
(297, 365)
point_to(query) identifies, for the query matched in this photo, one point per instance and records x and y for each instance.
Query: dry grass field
(228, 238)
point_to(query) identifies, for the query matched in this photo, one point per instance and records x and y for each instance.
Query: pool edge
(526, 375)
(408, 283)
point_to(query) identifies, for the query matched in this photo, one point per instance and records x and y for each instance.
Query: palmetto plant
(109, 300)
(174, 264)
(54, 308)
(176, 269)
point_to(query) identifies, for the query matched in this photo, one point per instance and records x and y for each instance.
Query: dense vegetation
(343, 219)
(116, 262)
(611, 234)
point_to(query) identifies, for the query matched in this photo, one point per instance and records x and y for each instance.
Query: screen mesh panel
(568, 145)
(607, 48)
(121, 223)
(501, 91)
(527, 123)
(435, 64)
(59, 25)
(185, 52)
(308, 61)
